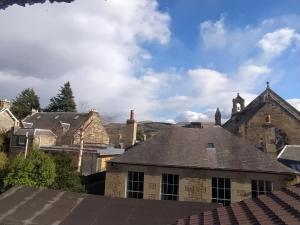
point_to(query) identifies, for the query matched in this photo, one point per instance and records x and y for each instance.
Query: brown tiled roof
(188, 147)
(53, 120)
(279, 207)
(24, 205)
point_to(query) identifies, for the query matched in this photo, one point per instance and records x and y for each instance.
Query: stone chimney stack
(4, 104)
(131, 130)
(218, 117)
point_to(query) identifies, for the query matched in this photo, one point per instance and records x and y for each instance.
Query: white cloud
(295, 102)
(96, 45)
(213, 33)
(190, 116)
(274, 43)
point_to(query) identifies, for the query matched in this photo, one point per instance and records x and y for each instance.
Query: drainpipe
(80, 151)
(26, 145)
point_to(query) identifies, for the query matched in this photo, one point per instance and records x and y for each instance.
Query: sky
(169, 60)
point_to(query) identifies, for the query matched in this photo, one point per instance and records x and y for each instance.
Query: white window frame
(173, 196)
(218, 188)
(21, 143)
(130, 190)
(258, 190)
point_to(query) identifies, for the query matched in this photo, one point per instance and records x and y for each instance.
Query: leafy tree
(3, 169)
(24, 103)
(64, 101)
(37, 170)
(67, 178)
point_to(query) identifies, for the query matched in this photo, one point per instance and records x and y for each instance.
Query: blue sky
(170, 60)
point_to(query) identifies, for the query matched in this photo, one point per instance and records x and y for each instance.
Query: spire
(218, 117)
(268, 84)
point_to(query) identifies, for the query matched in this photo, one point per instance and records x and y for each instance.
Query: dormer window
(210, 145)
(76, 117)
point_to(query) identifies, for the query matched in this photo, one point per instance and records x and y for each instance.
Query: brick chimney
(4, 104)
(130, 131)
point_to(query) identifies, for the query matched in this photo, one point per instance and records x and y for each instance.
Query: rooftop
(290, 156)
(279, 207)
(188, 147)
(24, 205)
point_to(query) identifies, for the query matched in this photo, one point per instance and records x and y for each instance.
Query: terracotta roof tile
(279, 207)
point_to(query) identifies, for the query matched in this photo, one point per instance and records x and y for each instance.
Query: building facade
(192, 164)
(7, 119)
(269, 122)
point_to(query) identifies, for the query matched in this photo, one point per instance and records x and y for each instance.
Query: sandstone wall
(194, 184)
(6, 122)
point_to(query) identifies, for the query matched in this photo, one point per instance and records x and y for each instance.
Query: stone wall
(256, 130)
(194, 184)
(94, 132)
(6, 122)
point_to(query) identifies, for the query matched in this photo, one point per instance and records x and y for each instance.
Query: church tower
(238, 104)
(218, 117)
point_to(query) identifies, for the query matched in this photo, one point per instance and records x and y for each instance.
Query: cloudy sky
(169, 60)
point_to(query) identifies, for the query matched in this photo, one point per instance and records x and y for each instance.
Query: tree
(24, 103)
(67, 178)
(64, 101)
(37, 170)
(3, 169)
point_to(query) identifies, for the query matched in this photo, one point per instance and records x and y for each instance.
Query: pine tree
(24, 103)
(64, 101)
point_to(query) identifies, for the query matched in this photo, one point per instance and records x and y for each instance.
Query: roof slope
(290, 156)
(279, 207)
(24, 205)
(187, 147)
(252, 108)
(52, 120)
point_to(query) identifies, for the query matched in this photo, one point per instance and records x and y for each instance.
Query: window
(135, 185)
(21, 140)
(260, 187)
(210, 145)
(221, 190)
(169, 187)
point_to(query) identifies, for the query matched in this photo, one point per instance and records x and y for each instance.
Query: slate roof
(187, 147)
(290, 156)
(251, 109)
(102, 151)
(53, 120)
(279, 207)
(32, 132)
(24, 205)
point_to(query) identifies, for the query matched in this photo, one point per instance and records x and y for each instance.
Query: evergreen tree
(64, 101)
(24, 103)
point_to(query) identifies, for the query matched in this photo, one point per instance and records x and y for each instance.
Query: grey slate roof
(53, 120)
(187, 147)
(24, 205)
(32, 132)
(250, 110)
(290, 156)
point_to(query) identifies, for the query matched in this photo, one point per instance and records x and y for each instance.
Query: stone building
(64, 131)
(123, 135)
(269, 122)
(7, 119)
(195, 164)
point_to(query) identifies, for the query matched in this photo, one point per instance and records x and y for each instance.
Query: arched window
(268, 118)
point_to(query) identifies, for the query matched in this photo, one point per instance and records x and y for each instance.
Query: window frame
(132, 191)
(165, 185)
(221, 190)
(19, 142)
(259, 190)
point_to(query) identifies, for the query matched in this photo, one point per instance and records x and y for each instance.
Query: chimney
(218, 117)
(131, 130)
(4, 104)
(131, 119)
